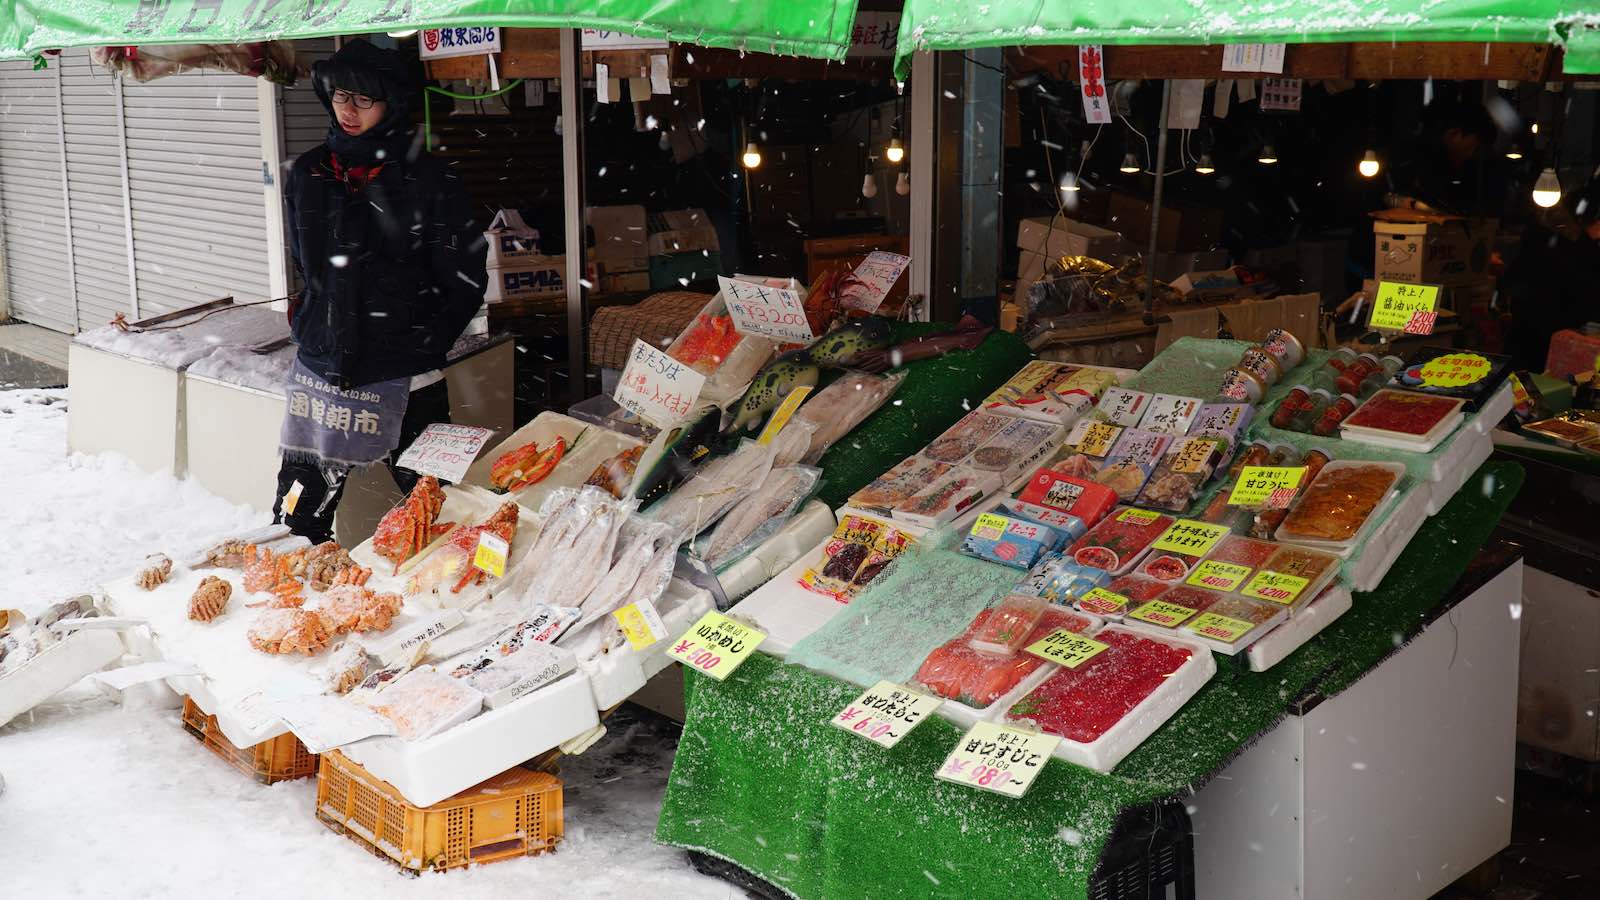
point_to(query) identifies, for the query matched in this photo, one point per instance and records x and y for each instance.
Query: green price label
(1270, 486)
(1219, 628)
(1275, 586)
(1167, 615)
(1190, 537)
(1064, 647)
(1219, 576)
(1396, 305)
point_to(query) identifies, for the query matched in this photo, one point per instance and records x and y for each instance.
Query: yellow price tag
(1103, 602)
(1397, 305)
(1167, 615)
(990, 527)
(1275, 586)
(1272, 487)
(998, 758)
(1219, 628)
(641, 624)
(1098, 439)
(1190, 537)
(785, 411)
(1137, 516)
(716, 645)
(1454, 370)
(292, 498)
(491, 554)
(885, 713)
(1064, 647)
(1219, 576)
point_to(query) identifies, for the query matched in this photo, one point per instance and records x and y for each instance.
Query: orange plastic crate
(282, 758)
(516, 813)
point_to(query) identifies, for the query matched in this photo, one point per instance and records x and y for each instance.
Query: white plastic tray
(966, 716)
(55, 669)
(467, 506)
(1386, 543)
(1303, 626)
(1344, 549)
(615, 676)
(728, 382)
(785, 611)
(596, 445)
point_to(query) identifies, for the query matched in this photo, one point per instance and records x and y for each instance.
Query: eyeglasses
(361, 101)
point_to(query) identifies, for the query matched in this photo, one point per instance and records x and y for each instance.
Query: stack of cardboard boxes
(620, 256)
(1413, 247)
(518, 272)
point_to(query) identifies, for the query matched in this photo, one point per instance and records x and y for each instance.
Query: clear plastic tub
(1347, 500)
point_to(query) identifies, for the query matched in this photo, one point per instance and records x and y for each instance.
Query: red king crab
(351, 607)
(406, 529)
(464, 543)
(289, 631)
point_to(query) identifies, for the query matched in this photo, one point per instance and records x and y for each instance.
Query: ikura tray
(1120, 540)
(1403, 420)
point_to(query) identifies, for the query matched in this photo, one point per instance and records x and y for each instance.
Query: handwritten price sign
(885, 713)
(770, 312)
(1275, 586)
(444, 451)
(997, 758)
(875, 276)
(1103, 602)
(1068, 649)
(1190, 537)
(716, 645)
(1396, 306)
(1266, 487)
(1158, 612)
(657, 387)
(1220, 627)
(1218, 576)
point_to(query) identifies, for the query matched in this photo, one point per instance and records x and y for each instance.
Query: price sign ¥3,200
(771, 312)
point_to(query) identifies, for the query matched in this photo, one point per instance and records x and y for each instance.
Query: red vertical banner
(1092, 82)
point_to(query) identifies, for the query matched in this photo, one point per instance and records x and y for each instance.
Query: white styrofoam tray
(595, 445)
(786, 612)
(1478, 451)
(1303, 626)
(615, 676)
(1389, 539)
(808, 529)
(56, 668)
(966, 716)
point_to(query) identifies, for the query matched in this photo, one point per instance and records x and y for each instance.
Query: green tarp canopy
(966, 24)
(800, 27)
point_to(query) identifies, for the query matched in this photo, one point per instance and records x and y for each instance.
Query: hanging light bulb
(1547, 190)
(902, 184)
(1536, 128)
(1268, 155)
(1069, 183)
(1130, 163)
(1204, 166)
(1514, 151)
(1369, 166)
(895, 152)
(665, 143)
(402, 34)
(752, 156)
(869, 186)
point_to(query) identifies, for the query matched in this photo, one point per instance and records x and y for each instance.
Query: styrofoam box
(231, 439)
(786, 612)
(728, 382)
(1303, 626)
(1152, 712)
(1478, 451)
(596, 445)
(1492, 411)
(128, 405)
(616, 675)
(1386, 543)
(811, 526)
(966, 716)
(55, 669)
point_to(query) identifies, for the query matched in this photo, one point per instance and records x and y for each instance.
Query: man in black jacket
(393, 270)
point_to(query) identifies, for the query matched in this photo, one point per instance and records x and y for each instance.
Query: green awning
(818, 28)
(967, 24)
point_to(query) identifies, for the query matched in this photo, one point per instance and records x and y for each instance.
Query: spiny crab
(406, 529)
(289, 631)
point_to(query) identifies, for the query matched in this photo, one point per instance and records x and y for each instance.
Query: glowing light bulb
(1514, 152)
(1069, 183)
(1268, 157)
(895, 152)
(1369, 166)
(902, 184)
(1536, 128)
(1130, 163)
(869, 186)
(752, 156)
(402, 34)
(1547, 190)
(1205, 166)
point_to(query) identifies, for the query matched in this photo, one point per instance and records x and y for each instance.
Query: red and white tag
(1092, 83)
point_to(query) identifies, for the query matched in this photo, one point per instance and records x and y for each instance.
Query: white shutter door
(38, 278)
(305, 122)
(94, 188)
(194, 173)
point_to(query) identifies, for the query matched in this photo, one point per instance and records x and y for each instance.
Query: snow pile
(193, 337)
(246, 368)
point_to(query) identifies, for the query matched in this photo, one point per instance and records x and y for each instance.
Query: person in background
(1449, 173)
(393, 270)
(1554, 282)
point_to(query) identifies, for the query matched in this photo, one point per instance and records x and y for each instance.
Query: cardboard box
(535, 278)
(1045, 238)
(1172, 266)
(1192, 228)
(1417, 248)
(623, 282)
(1207, 282)
(682, 231)
(620, 237)
(510, 240)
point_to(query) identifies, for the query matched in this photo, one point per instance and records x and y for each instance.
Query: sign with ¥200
(716, 645)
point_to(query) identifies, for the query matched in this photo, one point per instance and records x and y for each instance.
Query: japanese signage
(1280, 94)
(1266, 487)
(1275, 586)
(990, 527)
(766, 311)
(1190, 537)
(641, 624)
(1253, 58)
(595, 39)
(1092, 84)
(716, 645)
(444, 450)
(1160, 612)
(784, 412)
(875, 34)
(1219, 627)
(997, 758)
(292, 498)
(885, 713)
(1094, 438)
(1455, 370)
(1218, 576)
(656, 386)
(1404, 307)
(1103, 602)
(475, 40)
(491, 554)
(877, 275)
(1068, 649)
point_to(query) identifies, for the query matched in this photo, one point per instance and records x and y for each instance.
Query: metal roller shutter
(89, 109)
(38, 274)
(305, 122)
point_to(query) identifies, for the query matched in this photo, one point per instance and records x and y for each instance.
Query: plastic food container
(1117, 543)
(1291, 576)
(1187, 464)
(1008, 625)
(1345, 501)
(1177, 605)
(1016, 448)
(1131, 462)
(958, 491)
(967, 435)
(1009, 541)
(899, 484)
(1082, 704)
(1232, 623)
(1121, 595)
(1403, 420)
(1164, 565)
(1122, 406)
(1170, 414)
(1076, 496)
(1060, 580)
(957, 672)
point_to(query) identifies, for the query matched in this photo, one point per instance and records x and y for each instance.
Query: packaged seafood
(1028, 379)
(1165, 565)
(1224, 421)
(844, 554)
(1292, 576)
(792, 443)
(1346, 498)
(958, 491)
(1131, 461)
(1009, 541)
(1075, 496)
(1009, 623)
(967, 435)
(899, 484)
(448, 570)
(1295, 407)
(1284, 347)
(574, 546)
(425, 702)
(510, 667)
(1121, 594)
(1187, 464)
(526, 465)
(640, 567)
(1177, 605)
(890, 544)
(1066, 525)
(1469, 375)
(1016, 448)
(1267, 521)
(1403, 418)
(1170, 414)
(708, 341)
(1049, 391)
(760, 515)
(698, 503)
(615, 475)
(1333, 413)
(1058, 579)
(837, 409)
(1261, 364)
(1566, 430)
(1233, 623)
(1082, 704)
(1086, 448)
(1122, 406)
(977, 679)
(1240, 386)
(1120, 539)
(1349, 381)
(1241, 551)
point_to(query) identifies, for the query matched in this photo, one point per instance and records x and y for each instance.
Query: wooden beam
(713, 63)
(1449, 59)
(536, 53)
(1170, 61)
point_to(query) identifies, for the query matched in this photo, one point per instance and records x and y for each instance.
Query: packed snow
(107, 799)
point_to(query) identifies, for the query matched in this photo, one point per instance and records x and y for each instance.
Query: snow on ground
(107, 800)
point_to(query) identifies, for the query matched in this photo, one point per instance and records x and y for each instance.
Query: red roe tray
(1116, 543)
(1242, 551)
(1083, 704)
(957, 672)
(1402, 412)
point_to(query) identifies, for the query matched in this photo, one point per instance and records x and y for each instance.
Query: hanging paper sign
(1092, 84)
(1253, 58)
(657, 387)
(1191, 537)
(998, 758)
(444, 451)
(876, 275)
(1218, 576)
(1280, 94)
(784, 412)
(595, 39)
(442, 43)
(1068, 649)
(1397, 307)
(1266, 487)
(641, 624)
(885, 713)
(716, 645)
(771, 312)
(1188, 98)
(292, 498)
